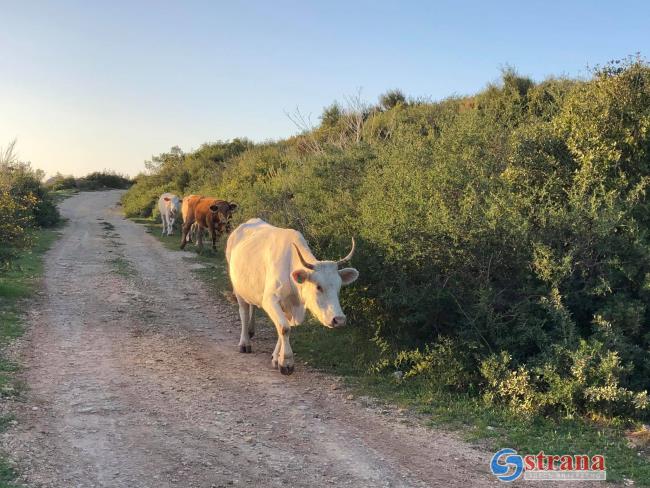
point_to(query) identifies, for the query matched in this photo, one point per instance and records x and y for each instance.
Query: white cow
(274, 269)
(169, 206)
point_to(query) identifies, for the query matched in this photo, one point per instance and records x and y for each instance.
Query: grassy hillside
(502, 237)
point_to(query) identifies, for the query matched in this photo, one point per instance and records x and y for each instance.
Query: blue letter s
(512, 459)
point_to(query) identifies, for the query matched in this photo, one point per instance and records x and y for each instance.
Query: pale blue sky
(88, 85)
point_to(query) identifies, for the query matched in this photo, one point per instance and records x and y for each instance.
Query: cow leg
(244, 315)
(213, 234)
(186, 230)
(164, 224)
(195, 233)
(284, 354)
(170, 226)
(191, 237)
(199, 237)
(274, 356)
(251, 322)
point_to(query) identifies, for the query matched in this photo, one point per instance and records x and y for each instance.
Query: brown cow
(187, 208)
(209, 213)
(187, 212)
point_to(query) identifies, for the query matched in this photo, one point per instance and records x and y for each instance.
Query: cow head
(174, 206)
(222, 214)
(319, 284)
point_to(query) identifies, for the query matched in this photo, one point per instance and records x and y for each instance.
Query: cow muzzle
(338, 321)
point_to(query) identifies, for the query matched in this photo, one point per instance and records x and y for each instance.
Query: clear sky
(88, 85)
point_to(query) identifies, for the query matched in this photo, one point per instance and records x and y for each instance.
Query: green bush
(502, 238)
(15, 218)
(443, 364)
(102, 180)
(391, 99)
(25, 186)
(61, 182)
(139, 201)
(24, 203)
(583, 381)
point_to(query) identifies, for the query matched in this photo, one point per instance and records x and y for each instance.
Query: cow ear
(214, 208)
(233, 207)
(348, 275)
(300, 276)
(166, 199)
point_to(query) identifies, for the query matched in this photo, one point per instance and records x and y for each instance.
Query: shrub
(61, 182)
(102, 180)
(443, 364)
(391, 99)
(140, 200)
(331, 115)
(26, 188)
(581, 381)
(15, 218)
(24, 203)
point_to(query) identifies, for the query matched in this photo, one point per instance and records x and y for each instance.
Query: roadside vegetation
(98, 180)
(25, 204)
(502, 244)
(28, 220)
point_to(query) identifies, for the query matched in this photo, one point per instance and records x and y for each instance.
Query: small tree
(331, 115)
(391, 99)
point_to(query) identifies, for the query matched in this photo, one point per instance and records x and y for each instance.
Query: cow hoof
(245, 349)
(286, 370)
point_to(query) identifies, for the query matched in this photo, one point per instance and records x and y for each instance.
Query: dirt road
(135, 380)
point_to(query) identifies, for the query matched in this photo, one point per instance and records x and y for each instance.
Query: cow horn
(302, 260)
(349, 256)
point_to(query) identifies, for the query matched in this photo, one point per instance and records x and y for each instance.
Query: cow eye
(319, 288)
